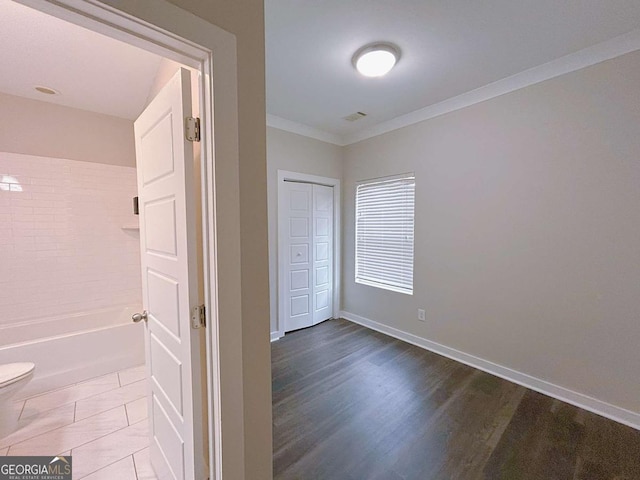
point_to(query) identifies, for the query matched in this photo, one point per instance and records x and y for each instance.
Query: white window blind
(384, 233)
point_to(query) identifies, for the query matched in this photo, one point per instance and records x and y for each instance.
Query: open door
(166, 190)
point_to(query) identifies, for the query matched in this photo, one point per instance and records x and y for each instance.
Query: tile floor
(101, 422)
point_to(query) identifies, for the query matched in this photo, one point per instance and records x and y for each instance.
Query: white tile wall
(62, 246)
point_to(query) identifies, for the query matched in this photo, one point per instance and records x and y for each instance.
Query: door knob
(138, 317)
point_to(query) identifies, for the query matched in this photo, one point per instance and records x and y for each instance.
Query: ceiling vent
(354, 116)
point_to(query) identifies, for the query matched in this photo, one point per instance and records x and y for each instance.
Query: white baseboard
(613, 412)
(275, 336)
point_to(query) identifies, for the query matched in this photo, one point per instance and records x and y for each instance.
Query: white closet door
(306, 233)
(298, 212)
(322, 253)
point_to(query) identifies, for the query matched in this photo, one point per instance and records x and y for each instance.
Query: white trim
(607, 50)
(304, 130)
(337, 236)
(275, 336)
(163, 28)
(586, 57)
(599, 407)
(135, 29)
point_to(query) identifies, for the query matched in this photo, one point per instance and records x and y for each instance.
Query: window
(384, 233)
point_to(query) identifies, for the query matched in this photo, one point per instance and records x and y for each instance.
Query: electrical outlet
(421, 314)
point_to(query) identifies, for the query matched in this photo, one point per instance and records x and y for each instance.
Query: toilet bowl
(13, 376)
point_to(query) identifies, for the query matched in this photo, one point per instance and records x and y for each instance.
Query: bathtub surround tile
(136, 410)
(105, 401)
(73, 393)
(143, 465)
(33, 425)
(108, 449)
(122, 470)
(131, 375)
(68, 210)
(74, 435)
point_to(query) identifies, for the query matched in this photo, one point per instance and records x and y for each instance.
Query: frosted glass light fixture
(376, 60)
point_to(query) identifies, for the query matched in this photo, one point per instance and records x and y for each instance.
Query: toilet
(13, 376)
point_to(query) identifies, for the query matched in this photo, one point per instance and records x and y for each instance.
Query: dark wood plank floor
(350, 403)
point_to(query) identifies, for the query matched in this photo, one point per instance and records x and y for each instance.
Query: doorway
(80, 269)
(308, 250)
(151, 33)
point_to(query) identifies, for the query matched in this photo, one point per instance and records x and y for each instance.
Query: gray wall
(527, 245)
(295, 153)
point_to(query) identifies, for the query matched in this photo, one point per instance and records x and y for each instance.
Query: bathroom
(70, 251)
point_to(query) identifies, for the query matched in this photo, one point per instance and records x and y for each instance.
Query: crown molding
(302, 129)
(586, 57)
(615, 47)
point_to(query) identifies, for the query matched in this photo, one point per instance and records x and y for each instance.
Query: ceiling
(91, 71)
(449, 47)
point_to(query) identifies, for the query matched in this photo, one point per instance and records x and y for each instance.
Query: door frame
(284, 175)
(169, 31)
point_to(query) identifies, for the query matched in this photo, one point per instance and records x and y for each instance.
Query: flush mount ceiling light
(376, 60)
(46, 90)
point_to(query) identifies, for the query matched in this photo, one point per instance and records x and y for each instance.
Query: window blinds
(384, 233)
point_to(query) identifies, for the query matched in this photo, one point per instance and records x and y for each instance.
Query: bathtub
(72, 348)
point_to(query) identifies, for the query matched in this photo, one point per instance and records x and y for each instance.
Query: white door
(298, 252)
(322, 253)
(307, 253)
(166, 190)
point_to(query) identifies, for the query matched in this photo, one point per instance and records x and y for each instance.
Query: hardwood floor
(350, 403)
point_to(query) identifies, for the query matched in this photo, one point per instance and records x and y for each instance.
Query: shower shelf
(130, 227)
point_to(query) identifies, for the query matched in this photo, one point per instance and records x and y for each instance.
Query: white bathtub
(72, 348)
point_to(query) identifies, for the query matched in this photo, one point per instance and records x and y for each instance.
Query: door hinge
(198, 317)
(192, 129)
